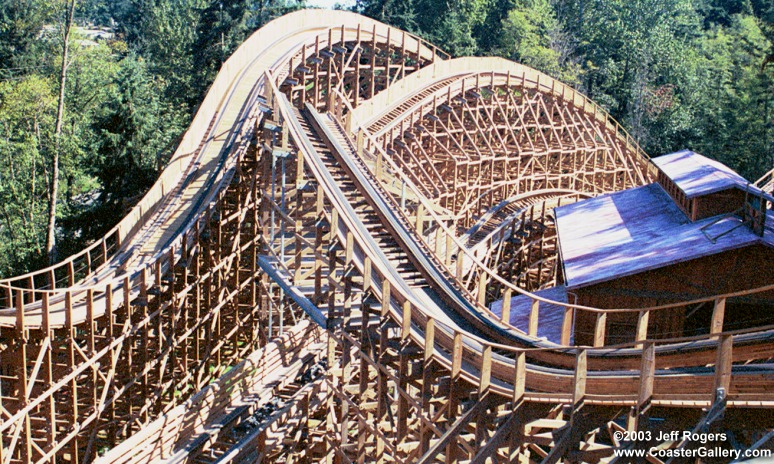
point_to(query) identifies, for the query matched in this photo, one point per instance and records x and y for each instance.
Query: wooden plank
(600, 328)
(723, 364)
(718, 313)
(533, 318)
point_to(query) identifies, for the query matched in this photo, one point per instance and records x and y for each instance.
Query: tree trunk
(54, 186)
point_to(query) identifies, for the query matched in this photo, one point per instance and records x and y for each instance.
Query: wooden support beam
(723, 365)
(450, 435)
(642, 326)
(534, 316)
(718, 314)
(639, 415)
(567, 321)
(506, 309)
(600, 329)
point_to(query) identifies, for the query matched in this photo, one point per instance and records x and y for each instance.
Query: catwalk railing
(456, 259)
(97, 347)
(474, 366)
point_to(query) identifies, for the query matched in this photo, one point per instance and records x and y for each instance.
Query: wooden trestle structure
(311, 279)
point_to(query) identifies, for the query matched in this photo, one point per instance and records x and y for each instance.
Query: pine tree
(222, 28)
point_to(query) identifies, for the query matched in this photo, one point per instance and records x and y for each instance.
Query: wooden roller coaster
(314, 278)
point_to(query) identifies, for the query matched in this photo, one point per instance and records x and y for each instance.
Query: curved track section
(95, 346)
(320, 181)
(478, 130)
(221, 131)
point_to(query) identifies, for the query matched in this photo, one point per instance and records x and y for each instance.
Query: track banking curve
(334, 91)
(204, 161)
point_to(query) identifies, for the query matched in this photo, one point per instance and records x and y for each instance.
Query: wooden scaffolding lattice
(324, 291)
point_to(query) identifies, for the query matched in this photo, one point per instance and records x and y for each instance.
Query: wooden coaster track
(328, 180)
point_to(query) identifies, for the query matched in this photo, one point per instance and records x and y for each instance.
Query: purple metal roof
(698, 175)
(636, 230)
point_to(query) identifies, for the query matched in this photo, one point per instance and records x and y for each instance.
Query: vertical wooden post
(484, 417)
(48, 373)
(360, 143)
(520, 377)
(381, 386)
(600, 328)
(567, 325)
(330, 419)
(318, 262)
(723, 364)
(439, 242)
(379, 168)
(90, 347)
(638, 417)
(579, 385)
(533, 318)
(420, 218)
(388, 55)
(506, 313)
(460, 262)
(427, 393)
(367, 271)
(481, 295)
(372, 87)
(519, 388)
(366, 348)
(642, 327)
(110, 338)
(454, 394)
(127, 344)
(69, 324)
(718, 314)
(403, 372)
(21, 376)
(143, 303)
(449, 242)
(70, 274)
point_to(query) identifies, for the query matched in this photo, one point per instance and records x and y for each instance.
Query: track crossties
(327, 270)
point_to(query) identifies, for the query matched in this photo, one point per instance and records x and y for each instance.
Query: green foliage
(166, 36)
(531, 34)
(21, 22)
(127, 145)
(733, 98)
(455, 29)
(263, 11)
(222, 27)
(27, 110)
(398, 14)
(676, 73)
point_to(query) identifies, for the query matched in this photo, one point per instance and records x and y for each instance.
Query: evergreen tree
(21, 23)
(128, 142)
(263, 11)
(489, 34)
(222, 28)
(532, 35)
(401, 14)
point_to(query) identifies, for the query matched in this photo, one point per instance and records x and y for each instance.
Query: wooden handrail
(494, 276)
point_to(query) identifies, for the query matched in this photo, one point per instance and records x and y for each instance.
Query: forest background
(82, 138)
